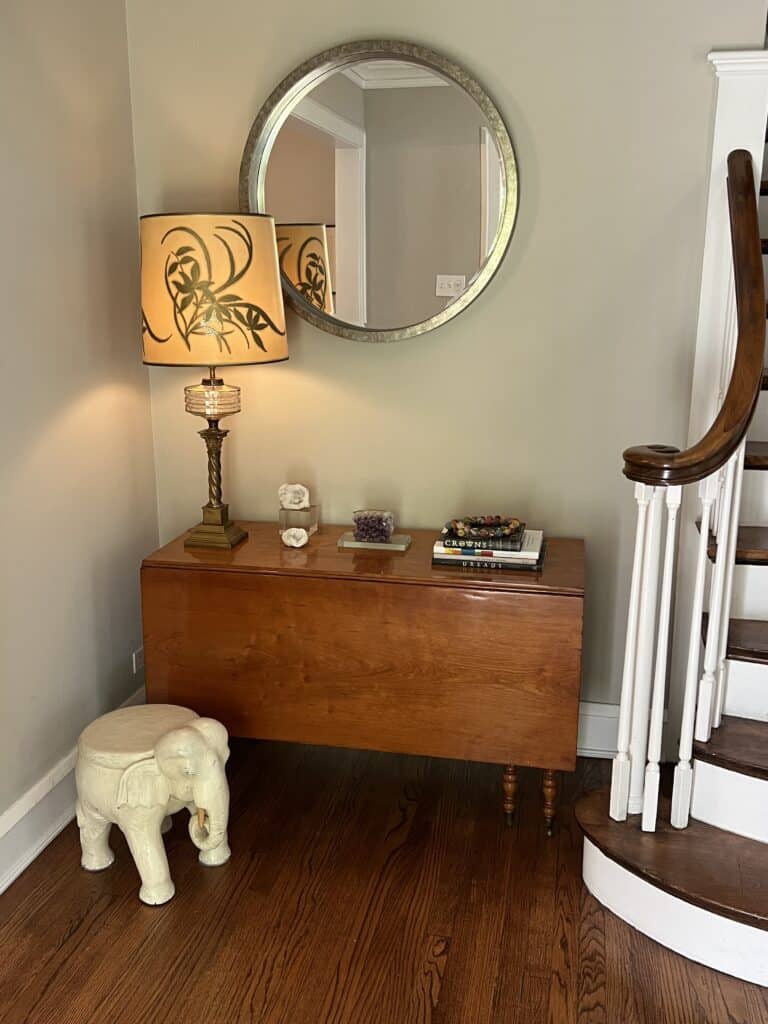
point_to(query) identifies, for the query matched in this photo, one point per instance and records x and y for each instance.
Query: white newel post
(646, 634)
(621, 764)
(740, 118)
(652, 771)
(681, 790)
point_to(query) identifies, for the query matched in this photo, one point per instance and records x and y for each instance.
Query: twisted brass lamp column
(213, 400)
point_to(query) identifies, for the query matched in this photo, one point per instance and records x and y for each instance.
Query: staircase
(688, 864)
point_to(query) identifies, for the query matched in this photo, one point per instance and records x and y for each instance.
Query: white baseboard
(38, 816)
(598, 727)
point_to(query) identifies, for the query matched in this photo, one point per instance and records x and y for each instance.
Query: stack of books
(489, 542)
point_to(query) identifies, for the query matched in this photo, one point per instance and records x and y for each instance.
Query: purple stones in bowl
(373, 526)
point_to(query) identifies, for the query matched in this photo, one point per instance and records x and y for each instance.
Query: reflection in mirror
(303, 254)
(396, 173)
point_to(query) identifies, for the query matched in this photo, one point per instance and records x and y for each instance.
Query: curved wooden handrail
(663, 465)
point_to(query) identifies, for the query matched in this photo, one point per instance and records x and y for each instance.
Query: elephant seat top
(121, 737)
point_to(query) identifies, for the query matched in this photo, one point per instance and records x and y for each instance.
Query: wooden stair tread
(715, 870)
(740, 745)
(747, 639)
(751, 545)
(756, 456)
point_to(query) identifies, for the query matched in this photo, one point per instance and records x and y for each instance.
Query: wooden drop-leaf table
(363, 649)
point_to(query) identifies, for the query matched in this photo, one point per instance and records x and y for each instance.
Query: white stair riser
(718, 942)
(758, 428)
(750, 592)
(754, 496)
(746, 693)
(730, 801)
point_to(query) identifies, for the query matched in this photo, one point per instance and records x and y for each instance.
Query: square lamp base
(216, 530)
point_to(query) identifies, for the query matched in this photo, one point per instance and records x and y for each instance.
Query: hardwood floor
(364, 888)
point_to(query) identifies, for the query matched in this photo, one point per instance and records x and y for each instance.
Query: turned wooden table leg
(509, 785)
(549, 792)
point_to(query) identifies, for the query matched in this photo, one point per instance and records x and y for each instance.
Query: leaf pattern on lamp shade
(311, 276)
(202, 306)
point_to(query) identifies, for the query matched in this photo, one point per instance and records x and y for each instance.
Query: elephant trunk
(214, 801)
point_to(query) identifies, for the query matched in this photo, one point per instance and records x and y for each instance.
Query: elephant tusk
(201, 818)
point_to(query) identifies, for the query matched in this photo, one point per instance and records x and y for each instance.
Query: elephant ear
(215, 735)
(142, 784)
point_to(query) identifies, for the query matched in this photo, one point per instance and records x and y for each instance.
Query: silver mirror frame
(296, 86)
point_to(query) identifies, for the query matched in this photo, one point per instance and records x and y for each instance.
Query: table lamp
(211, 296)
(303, 252)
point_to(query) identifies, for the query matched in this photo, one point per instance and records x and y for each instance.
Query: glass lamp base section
(212, 400)
(216, 530)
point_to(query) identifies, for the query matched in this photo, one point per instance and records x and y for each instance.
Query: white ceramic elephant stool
(138, 765)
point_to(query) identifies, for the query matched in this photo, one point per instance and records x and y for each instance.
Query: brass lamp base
(216, 530)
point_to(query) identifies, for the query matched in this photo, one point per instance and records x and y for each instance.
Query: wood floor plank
(624, 1000)
(429, 979)
(471, 970)
(757, 1004)
(564, 962)
(364, 888)
(720, 997)
(592, 997)
(524, 972)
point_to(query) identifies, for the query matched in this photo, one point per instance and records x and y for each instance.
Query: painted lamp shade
(304, 261)
(210, 290)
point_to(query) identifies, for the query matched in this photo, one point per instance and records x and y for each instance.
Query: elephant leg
(94, 839)
(148, 852)
(167, 824)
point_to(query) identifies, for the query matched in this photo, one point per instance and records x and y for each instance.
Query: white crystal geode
(295, 537)
(293, 496)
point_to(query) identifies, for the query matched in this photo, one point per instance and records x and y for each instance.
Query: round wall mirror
(393, 183)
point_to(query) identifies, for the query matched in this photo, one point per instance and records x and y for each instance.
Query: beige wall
(423, 198)
(583, 342)
(301, 175)
(78, 507)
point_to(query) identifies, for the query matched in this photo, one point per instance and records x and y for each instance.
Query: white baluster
(705, 709)
(681, 789)
(725, 616)
(621, 764)
(652, 772)
(646, 635)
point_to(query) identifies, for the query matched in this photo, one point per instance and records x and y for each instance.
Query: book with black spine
(491, 544)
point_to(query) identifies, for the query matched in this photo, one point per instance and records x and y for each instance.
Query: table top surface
(264, 553)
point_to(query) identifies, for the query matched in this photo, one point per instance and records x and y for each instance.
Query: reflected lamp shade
(303, 250)
(210, 290)
(330, 237)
